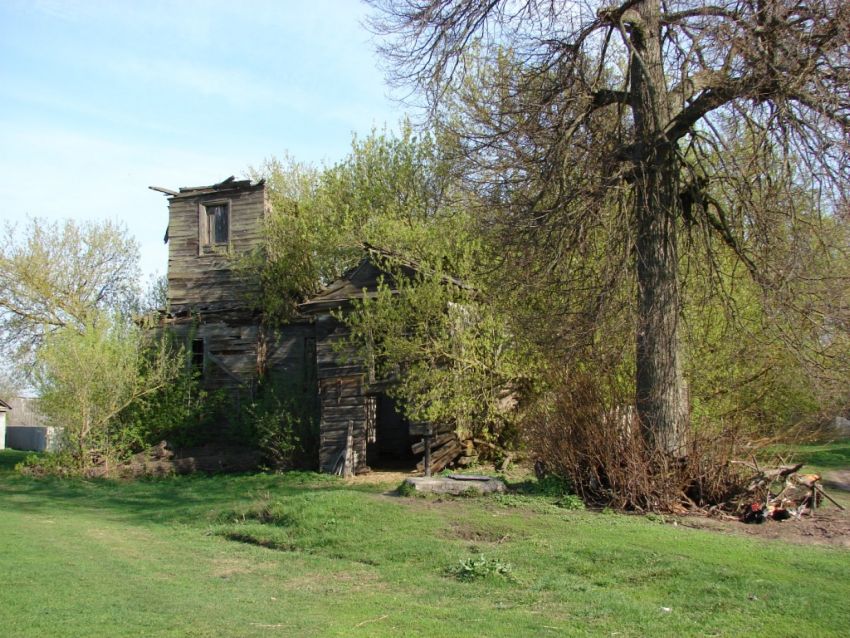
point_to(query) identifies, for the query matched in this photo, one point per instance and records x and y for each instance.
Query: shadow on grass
(177, 499)
(9, 459)
(188, 499)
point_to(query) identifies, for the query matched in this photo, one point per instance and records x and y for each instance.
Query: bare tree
(565, 109)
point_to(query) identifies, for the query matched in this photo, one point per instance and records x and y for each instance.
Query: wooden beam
(161, 189)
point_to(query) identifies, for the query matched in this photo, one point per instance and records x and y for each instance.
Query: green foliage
(303, 242)
(570, 502)
(479, 567)
(61, 464)
(181, 412)
(754, 364)
(458, 361)
(552, 485)
(406, 489)
(549, 494)
(388, 192)
(56, 275)
(87, 378)
(452, 357)
(283, 424)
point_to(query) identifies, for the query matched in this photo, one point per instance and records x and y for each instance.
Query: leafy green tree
(87, 377)
(388, 192)
(755, 362)
(450, 354)
(54, 276)
(460, 363)
(560, 108)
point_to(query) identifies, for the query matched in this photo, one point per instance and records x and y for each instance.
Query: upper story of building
(207, 227)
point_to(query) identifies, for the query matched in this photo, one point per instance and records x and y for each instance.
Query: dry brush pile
(590, 435)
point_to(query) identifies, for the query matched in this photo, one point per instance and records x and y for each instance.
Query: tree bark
(658, 384)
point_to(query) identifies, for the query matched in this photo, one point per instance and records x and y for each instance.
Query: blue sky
(99, 100)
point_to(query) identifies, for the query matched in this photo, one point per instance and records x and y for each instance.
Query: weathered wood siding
(235, 350)
(344, 403)
(202, 276)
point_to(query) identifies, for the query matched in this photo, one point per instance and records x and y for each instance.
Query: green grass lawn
(307, 555)
(822, 457)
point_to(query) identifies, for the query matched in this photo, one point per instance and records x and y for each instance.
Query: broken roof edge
(228, 184)
(379, 258)
(414, 265)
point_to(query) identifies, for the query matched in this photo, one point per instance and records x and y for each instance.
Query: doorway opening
(389, 444)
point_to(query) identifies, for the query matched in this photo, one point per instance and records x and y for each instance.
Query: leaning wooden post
(429, 432)
(348, 468)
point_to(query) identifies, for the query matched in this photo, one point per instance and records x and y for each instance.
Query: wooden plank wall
(230, 350)
(343, 401)
(196, 279)
(231, 356)
(291, 360)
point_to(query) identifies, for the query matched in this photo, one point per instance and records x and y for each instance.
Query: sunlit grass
(308, 555)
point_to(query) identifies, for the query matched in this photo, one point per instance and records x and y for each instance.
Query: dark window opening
(198, 355)
(218, 223)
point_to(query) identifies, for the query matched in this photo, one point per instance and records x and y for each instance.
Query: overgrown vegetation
(62, 275)
(88, 375)
(283, 423)
(477, 567)
(667, 210)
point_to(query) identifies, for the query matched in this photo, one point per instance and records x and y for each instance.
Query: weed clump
(406, 489)
(480, 567)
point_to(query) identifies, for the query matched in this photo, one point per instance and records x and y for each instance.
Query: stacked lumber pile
(445, 449)
(448, 449)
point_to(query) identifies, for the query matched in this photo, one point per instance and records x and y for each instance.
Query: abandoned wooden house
(360, 426)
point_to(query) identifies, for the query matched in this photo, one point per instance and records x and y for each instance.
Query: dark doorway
(389, 448)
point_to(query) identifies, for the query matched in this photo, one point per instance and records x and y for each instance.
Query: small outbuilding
(4, 408)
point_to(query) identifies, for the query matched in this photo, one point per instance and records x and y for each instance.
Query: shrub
(406, 489)
(49, 464)
(553, 485)
(283, 424)
(86, 377)
(181, 413)
(585, 436)
(570, 502)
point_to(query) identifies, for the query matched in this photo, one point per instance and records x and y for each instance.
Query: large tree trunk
(659, 390)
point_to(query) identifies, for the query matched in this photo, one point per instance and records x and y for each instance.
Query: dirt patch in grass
(467, 532)
(379, 477)
(828, 526)
(229, 567)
